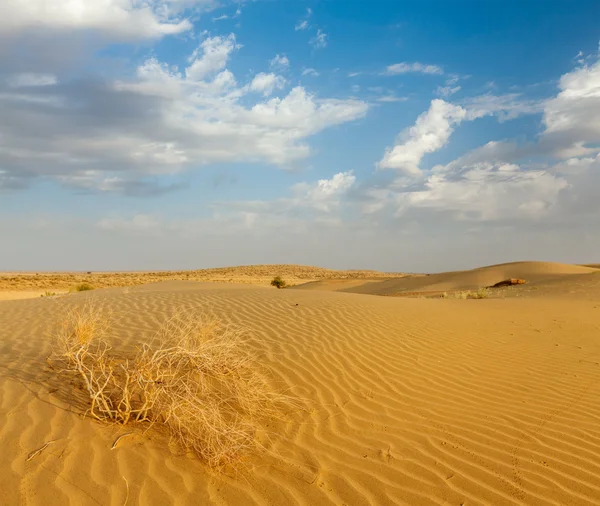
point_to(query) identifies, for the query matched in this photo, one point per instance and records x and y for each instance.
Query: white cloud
(279, 61)
(391, 98)
(309, 202)
(221, 18)
(124, 19)
(303, 23)
(495, 152)
(319, 41)
(505, 107)
(487, 192)
(267, 83)
(310, 72)
(210, 57)
(572, 118)
(326, 193)
(405, 68)
(354, 74)
(504, 180)
(430, 132)
(446, 91)
(163, 121)
(31, 79)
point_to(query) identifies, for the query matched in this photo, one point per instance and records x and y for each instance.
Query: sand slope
(406, 402)
(532, 272)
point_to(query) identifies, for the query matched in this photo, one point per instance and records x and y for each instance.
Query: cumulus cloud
(164, 120)
(548, 178)
(487, 192)
(267, 83)
(430, 132)
(122, 19)
(405, 68)
(572, 118)
(325, 194)
(308, 202)
(210, 57)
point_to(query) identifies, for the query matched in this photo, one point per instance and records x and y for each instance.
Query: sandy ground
(405, 401)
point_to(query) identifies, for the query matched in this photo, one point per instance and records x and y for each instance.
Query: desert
(414, 399)
(299, 253)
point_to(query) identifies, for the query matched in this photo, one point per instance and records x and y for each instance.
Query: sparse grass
(82, 287)
(48, 294)
(195, 378)
(482, 293)
(277, 282)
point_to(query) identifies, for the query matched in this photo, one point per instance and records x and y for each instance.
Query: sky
(391, 135)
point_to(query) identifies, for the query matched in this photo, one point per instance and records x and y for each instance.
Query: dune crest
(531, 272)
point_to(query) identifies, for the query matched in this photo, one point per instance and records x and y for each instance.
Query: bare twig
(34, 453)
(114, 445)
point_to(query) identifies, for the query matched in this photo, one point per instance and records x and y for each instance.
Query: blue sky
(405, 136)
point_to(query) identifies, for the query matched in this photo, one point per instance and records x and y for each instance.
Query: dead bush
(196, 378)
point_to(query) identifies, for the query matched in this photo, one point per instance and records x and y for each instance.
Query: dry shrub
(82, 287)
(482, 293)
(196, 378)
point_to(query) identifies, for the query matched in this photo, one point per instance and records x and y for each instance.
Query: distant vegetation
(278, 282)
(83, 287)
(482, 293)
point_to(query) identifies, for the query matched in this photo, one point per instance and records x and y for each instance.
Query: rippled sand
(405, 401)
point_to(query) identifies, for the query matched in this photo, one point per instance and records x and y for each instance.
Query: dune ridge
(404, 402)
(532, 272)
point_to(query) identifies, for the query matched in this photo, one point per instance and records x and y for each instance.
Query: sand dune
(405, 402)
(532, 272)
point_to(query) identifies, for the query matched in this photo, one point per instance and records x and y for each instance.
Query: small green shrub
(48, 294)
(83, 287)
(278, 282)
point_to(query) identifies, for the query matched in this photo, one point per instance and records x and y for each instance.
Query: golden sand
(405, 401)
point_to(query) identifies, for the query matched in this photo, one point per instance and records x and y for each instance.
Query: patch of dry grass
(82, 287)
(196, 378)
(482, 293)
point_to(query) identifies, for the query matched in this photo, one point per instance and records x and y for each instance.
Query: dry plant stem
(34, 453)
